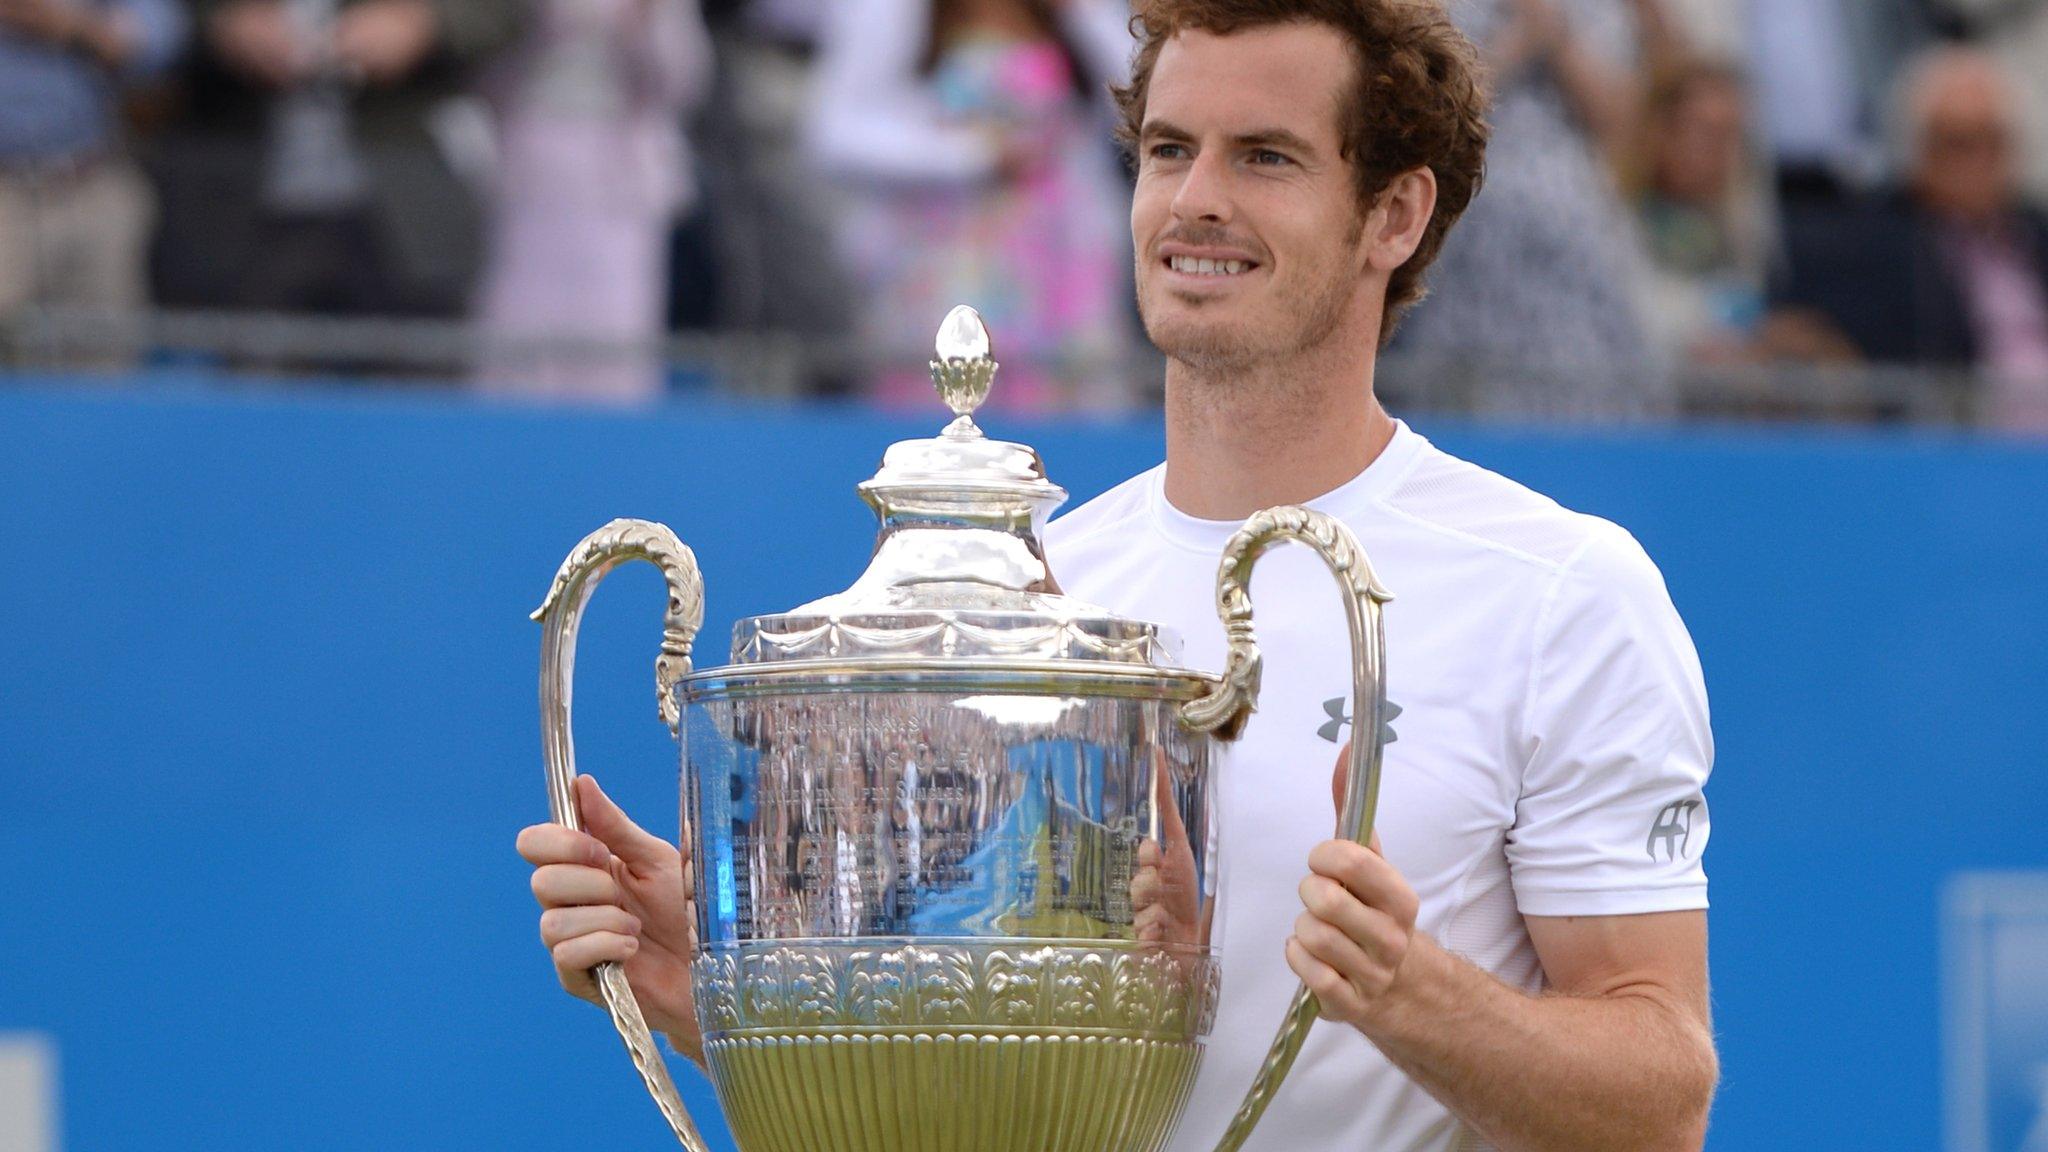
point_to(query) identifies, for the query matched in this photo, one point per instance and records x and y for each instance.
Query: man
(2016, 31)
(74, 214)
(1523, 966)
(1952, 268)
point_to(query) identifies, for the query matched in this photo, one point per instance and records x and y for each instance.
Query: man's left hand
(1358, 919)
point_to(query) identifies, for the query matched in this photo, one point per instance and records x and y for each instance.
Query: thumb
(608, 822)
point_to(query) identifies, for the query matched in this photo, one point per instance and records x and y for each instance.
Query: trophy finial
(964, 368)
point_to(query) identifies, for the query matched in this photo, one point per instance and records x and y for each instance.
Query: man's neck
(1277, 433)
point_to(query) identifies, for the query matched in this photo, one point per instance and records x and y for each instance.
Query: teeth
(1205, 267)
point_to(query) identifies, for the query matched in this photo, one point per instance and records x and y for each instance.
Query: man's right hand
(617, 893)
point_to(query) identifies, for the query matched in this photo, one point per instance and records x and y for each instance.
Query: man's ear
(1395, 228)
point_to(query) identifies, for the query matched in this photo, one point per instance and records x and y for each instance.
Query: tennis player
(1519, 963)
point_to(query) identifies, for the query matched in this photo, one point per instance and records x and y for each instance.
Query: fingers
(570, 867)
(555, 844)
(580, 938)
(1148, 918)
(567, 885)
(1145, 882)
(1368, 969)
(1353, 934)
(1378, 937)
(559, 925)
(575, 957)
(1336, 999)
(1366, 874)
(638, 848)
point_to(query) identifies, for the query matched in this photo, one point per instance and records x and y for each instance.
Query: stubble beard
(1301, 322)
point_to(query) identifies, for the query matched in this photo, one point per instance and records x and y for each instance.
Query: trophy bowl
(952, 831)
(917, 917)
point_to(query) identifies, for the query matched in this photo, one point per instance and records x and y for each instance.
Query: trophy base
(935, 1091)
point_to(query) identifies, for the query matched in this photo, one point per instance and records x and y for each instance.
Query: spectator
(759, 255)
(1544, 275)
(75, 215)
(2017, 31)
(970, 137)
(593, 169)
(1952, 267)
(1704, 213)
(318, 171)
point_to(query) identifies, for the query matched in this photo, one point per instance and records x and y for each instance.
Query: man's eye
(1169, 151)
(1268, 157)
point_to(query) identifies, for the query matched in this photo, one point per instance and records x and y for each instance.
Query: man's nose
(1204, 191)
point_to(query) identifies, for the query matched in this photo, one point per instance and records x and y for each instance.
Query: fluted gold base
(951, 1092)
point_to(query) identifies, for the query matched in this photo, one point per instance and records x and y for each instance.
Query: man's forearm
(1628, 1071)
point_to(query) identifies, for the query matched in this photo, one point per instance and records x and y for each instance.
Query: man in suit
(1951, 267)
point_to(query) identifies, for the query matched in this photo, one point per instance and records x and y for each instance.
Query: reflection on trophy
(953, 832)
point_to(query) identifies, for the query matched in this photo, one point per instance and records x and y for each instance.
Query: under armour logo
(1334, 708)
(1672, 828)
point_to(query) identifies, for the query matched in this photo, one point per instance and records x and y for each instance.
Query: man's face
(1245, 219)
(1967, 167)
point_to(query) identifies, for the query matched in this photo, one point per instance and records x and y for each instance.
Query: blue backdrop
(268, 729)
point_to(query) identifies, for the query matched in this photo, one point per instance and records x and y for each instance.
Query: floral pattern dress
(1042, 249)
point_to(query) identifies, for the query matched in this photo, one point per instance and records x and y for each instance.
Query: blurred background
(1797, 209)
(328, 326)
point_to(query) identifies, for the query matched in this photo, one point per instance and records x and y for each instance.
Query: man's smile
(1204, 268)
(1196, 266)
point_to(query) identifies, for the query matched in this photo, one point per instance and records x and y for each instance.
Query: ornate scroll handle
(603, 550)
(1225, 710)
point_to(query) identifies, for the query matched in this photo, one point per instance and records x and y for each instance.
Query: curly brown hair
(1419, 100)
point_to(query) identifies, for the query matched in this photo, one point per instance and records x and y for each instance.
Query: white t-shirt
(1548, 757)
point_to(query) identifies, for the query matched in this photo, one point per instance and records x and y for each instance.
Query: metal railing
(784, 366)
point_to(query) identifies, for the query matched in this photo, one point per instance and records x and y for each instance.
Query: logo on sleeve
(1673, 830)
(1334, 709)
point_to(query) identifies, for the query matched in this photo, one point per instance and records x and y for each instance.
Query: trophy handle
(603, 550)
(1225, 710)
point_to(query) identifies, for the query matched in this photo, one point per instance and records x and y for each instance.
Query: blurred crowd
(1674, 185)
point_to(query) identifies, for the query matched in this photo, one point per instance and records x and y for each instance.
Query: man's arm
(1618, 1055)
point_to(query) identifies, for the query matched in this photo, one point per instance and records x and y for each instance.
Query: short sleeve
(1612, 814)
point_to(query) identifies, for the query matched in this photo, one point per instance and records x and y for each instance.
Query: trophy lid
(959, 569)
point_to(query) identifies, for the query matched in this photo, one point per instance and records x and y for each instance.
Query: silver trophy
(953, 832)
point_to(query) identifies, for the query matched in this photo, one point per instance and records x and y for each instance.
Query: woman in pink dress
(593, 169)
